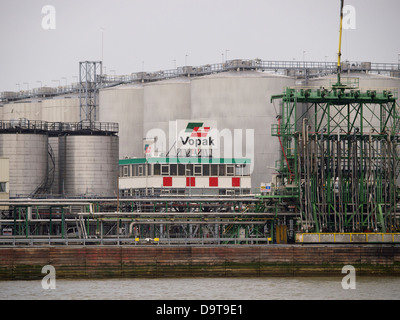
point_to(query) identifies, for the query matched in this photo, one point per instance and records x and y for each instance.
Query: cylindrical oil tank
(165, 101)
(31, 110)
(124, 105)
(88, 165)
(28, 161)
(61, 109)
(242, 101)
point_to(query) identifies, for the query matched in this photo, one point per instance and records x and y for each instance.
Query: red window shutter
(167, 181)
(235, 182)
(190, 181)
(213, 181)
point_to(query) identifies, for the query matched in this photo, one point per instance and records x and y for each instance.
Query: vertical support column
(90, 79)
(26, 222)
(62, 223)
(50, 221)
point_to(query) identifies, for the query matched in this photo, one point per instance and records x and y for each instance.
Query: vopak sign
(197, 135)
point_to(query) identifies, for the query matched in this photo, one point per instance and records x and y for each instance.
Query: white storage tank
(241, 100)
(165, 101)
(124, 105)
(28, 161)
(61, 109)
(31, 110)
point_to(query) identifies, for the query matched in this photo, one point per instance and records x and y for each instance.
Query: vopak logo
(197, 135)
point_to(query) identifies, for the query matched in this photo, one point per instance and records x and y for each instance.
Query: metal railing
(303, 68)
(58, 127)
(115, 241)
(24, 124)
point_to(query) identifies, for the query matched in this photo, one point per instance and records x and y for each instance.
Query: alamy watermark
(188, 137)
(349, 280)
(49, 20)
(349, 18)
(49, 280)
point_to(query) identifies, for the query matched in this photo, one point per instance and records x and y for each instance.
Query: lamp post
(102, 45)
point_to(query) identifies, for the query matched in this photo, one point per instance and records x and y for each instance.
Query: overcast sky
(154, 33)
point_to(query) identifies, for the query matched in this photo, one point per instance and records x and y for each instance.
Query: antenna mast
(340, 43)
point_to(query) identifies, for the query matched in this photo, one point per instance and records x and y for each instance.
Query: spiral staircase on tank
(45, 186)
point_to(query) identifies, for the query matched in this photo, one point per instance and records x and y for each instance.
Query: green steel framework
(340, 156)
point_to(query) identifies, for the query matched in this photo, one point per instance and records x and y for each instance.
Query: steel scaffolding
(90, 79)
(340, 148)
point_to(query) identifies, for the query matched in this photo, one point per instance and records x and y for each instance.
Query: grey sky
(157, 32)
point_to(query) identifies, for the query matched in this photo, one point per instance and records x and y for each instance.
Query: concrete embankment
(198, 261)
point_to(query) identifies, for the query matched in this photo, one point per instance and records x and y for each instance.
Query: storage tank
(124, 105)
(31, 110)
(88, 165)
(61, 109)
(165, 101)
(28, 161)
(241, 100)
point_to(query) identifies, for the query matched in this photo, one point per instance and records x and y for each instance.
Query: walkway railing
(114, 241)
(300, 68)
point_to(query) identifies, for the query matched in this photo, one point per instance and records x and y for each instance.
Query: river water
(307, 288)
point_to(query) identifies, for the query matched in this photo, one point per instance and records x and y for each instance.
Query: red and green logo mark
(197, 130)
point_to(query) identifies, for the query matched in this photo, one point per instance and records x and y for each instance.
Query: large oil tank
(240, 101)
(88, 165)
(165, 101)
(31, 110)
(61, 109)
(28, 161)
(124, 105)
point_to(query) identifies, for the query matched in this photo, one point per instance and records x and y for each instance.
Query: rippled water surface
(367, 288)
